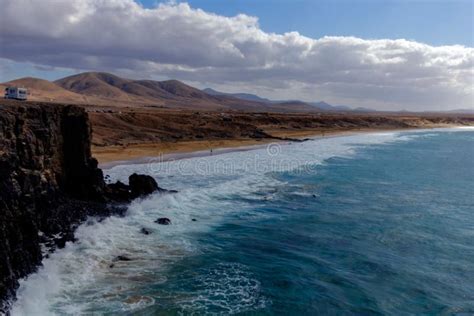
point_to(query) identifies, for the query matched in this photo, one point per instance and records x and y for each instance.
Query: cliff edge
(49, 183)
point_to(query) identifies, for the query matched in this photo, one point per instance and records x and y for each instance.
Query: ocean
(375, 223)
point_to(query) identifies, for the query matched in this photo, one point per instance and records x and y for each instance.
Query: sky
(388, 55)
(435, 22)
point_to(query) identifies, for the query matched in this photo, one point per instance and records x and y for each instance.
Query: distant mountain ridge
(102, 88)
(321, 105)
(105, 89)
(328, 107)
(243, 96)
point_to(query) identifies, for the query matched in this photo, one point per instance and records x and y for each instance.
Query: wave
(84, 278)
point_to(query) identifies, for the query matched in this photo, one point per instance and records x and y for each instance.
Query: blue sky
(435, 22)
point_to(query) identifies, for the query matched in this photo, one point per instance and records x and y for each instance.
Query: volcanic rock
(145, 231)
(141, 185)
(163, 221)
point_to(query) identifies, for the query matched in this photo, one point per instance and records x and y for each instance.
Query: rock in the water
(145, 231)
(118, 191)
(193, 219)
(141, 185)
(163, 221)
(122, 258)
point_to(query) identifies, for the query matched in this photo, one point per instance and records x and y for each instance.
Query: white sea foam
(220, 287)
(78, 279)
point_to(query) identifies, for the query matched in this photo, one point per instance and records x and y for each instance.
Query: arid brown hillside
(117, 89)
(105, 89)
(95, 84)
(44, 90)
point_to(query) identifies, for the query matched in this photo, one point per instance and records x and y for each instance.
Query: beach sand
(109, 156)
(114, 153)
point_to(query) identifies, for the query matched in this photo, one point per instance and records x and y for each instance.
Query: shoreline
(197, 148)
(134, 154)
(137, 133)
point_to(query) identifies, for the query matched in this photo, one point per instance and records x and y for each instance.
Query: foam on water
(79, 278)
(222, 285)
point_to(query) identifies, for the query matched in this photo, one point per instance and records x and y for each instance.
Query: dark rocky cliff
(49, 183)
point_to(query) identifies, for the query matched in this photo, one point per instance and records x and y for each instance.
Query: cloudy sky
(414, 55)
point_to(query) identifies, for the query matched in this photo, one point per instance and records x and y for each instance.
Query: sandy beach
(137, 133)
(111, 155)
(141, 153)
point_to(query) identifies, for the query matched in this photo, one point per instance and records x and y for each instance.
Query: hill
(107, 85)
(169, 93)
(103, 85)
(99, 88)
(243, 96)
(44, 90)
(321, 105)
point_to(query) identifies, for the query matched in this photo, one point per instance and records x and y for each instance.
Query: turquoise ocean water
(370, 224)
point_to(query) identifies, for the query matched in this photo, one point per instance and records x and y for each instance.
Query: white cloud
(175, 40)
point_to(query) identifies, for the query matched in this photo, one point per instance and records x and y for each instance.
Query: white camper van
(16, 93)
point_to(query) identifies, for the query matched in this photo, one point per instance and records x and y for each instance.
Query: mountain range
(321, 105)
(99, 88)
(104, 89)
(242, 96)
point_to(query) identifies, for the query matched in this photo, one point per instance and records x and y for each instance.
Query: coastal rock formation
(163, 221)
(145, 231)
(49, 184)
(141, 185)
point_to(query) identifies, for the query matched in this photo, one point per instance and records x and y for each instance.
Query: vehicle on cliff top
(16, 93)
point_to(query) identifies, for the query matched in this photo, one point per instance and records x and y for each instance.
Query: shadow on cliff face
(49, 184)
